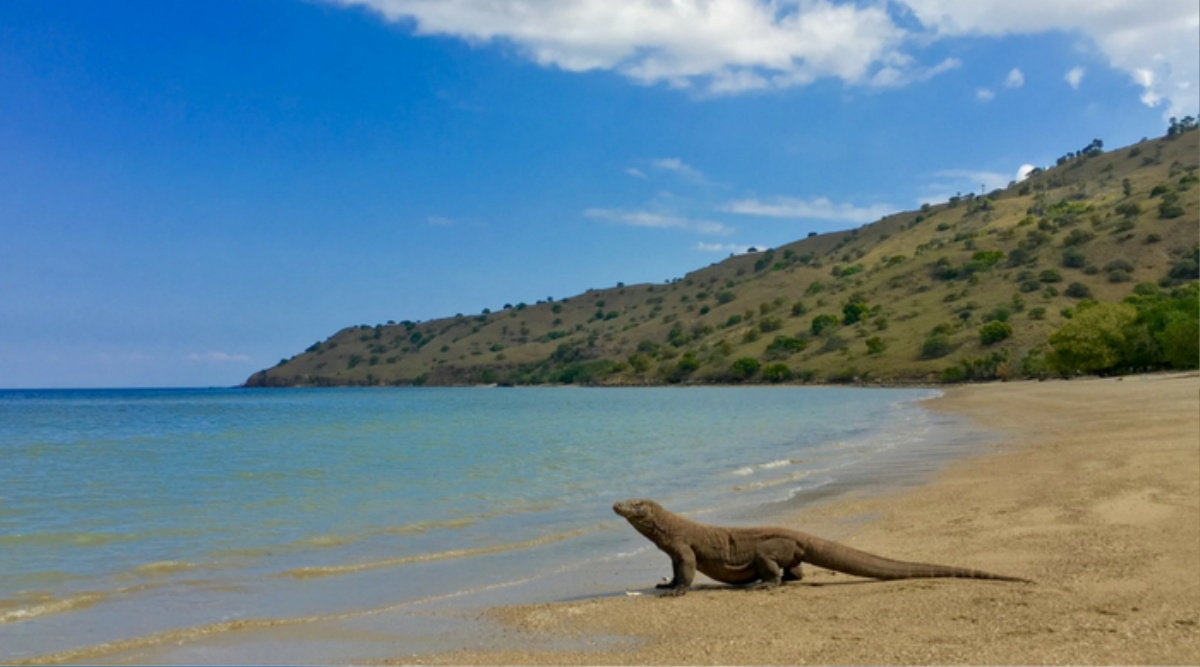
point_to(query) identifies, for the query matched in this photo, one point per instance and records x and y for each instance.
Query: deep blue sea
(162, 525)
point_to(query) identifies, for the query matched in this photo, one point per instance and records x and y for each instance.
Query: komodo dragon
(764, 557)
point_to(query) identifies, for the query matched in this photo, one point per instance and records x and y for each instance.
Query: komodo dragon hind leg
(769, 573)
(775, 562)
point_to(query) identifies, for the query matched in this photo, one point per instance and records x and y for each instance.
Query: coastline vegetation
(1087, 267)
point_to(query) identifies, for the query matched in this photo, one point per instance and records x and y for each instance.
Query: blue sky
(190, 191)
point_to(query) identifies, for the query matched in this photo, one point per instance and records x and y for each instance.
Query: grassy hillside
(970, 289)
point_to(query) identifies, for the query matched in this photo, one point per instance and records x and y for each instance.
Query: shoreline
(399, 623)
(1091, 489)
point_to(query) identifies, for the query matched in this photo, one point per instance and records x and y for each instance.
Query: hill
(974, 288)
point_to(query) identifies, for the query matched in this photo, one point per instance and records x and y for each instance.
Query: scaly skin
(764, 557)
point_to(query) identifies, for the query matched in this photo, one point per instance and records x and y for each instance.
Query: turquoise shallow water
(129, 514)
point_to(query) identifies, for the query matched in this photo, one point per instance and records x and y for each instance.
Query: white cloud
(722, 247)
(216, 357)
(677, 166)
(893, 77)
(819, 208)
(732, 46)
(1161, 38)
(1074, 77)
(439, 221)
(1015, 78)
(658, 221)
(717, 46)
(984, 94)
(1023, 172)
(129, 357)
(1145, 77)
(636, 173)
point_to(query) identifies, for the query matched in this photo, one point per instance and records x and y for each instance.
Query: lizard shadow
(654, 592)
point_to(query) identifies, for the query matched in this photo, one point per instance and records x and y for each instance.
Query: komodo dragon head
(639, 512)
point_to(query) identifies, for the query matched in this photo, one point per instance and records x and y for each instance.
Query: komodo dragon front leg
(683, 570)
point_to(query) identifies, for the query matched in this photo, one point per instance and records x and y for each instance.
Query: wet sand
(1092, 490)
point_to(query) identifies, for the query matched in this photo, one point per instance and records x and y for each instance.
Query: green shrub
(1073, 258)
(745, 368)
(936, 347)
(1129, 209)
(853, 311)
(1050, 276)
(979, 262)
(944, 269)
(777, 373)
(769, 324)
(640, 362)
(1119, 264)
(1078, 291)
(1019, 257)
(998, 314)
(1094, 340)
(785, 346)
(953, 374)
(994, 332)
(1169, 207)
(688, 363)
(876, 346)
(1078, 237)
(943, 329)
(823, 323)
(1180, 341)
(1185, 269)
(649, 347)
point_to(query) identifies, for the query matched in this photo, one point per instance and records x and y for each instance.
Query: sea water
(138, 519)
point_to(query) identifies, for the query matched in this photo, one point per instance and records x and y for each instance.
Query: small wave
(46, 605)
(164, 567)
(452, 554)
(426, 526)
(767, 483)
(333, 540)
(770, 465)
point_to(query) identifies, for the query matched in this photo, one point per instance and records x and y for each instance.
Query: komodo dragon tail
(841, 558)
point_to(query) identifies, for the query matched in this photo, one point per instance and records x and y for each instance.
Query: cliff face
(979, 283)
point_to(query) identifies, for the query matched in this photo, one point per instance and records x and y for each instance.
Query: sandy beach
(1092, 490)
